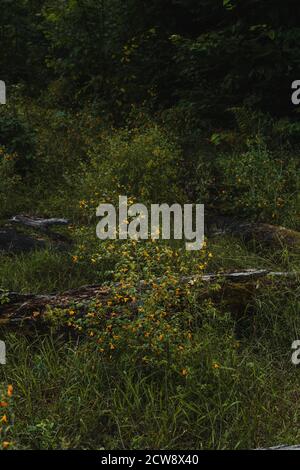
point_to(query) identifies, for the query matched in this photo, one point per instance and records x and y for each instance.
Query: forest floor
(68, 395)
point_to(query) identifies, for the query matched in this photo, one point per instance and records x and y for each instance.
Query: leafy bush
(6, 416)
(140, 163)
(150, 311)
(259, 184)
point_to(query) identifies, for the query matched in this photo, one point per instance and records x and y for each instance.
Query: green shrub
(141, 163)
(259, 184)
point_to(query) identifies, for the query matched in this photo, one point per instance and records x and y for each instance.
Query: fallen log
(282, 447)
(38, 222)
(14, 241)
(16, 307)
(266, 234)
(244, 276)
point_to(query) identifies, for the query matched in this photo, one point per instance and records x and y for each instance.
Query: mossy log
(274, 236)
(236, 289)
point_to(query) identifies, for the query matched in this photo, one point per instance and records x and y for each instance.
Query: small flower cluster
(6, 417)
(149, 307)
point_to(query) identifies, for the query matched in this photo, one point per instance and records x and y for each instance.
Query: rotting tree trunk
(266, 234)
(236, 288)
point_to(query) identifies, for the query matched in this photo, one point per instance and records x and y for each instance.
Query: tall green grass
(67, 396)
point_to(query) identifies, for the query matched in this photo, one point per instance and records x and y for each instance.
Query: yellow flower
(184, 372)
(215, 365)
(9, 390)
(74, 259)
(82, 204)
(4, 419)
(5, 444)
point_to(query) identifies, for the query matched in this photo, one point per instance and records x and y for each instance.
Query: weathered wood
(38, 222)
(19, 307)
(282, 447)
(244, 276)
